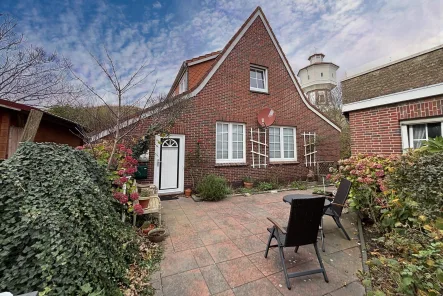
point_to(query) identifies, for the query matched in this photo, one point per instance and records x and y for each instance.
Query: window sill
(263, 92)
(231, 164)
(284, 162)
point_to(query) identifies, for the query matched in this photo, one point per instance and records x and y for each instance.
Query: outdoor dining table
(288, 199)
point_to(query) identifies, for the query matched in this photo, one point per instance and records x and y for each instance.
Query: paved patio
(217, 248)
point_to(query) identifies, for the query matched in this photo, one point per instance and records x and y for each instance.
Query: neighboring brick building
(396, 106)
(52, 128)
(226, 90)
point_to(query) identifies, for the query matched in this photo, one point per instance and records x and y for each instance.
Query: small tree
(29, 74)
(129, 104)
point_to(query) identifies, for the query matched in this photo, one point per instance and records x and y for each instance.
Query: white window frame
(265, 77)
(183, 85)
(230, 159)
(407, 132)
(282, 151)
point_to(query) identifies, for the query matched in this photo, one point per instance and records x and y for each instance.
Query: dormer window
(183, 86)
(258, 77)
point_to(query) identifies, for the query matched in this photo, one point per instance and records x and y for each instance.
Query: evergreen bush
(60, 231)
(213, 188)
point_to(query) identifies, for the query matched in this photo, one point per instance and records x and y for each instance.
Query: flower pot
(157, 235)
(188, 192)
(144, 203)
(248, 185)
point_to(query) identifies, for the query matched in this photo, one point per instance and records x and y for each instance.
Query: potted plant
(248, 182)
(188, 192)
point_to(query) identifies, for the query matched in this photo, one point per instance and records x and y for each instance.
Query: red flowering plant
(121, 171)
(369, 187)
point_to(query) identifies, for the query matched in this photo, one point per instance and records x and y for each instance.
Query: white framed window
(414, 132)
(183, 86)
(282, 144)
(258, 77)
(423, 132)
(230, 142)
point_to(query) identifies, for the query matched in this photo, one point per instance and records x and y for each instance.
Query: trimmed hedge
(60, 231)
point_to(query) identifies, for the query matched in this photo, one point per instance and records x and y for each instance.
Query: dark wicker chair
(337, 205)
(302, 229)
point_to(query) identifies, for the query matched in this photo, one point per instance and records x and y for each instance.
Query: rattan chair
(302, 229)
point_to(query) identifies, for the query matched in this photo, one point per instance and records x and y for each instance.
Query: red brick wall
(4, 133)
(226, 97)
(377, 130)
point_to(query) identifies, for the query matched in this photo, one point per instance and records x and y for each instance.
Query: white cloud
(157, 5)
(350, 33)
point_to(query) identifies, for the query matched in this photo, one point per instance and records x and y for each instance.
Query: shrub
(299, 185)
(248, 179)
(121, 173)
(367, 174)
(265, 186)
(405, 194)
(60, 232)
(213, 188)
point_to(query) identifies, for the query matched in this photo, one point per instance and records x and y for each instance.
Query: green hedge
(60, 232)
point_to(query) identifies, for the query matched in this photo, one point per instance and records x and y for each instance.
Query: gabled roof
(220, 58)
(191, 62)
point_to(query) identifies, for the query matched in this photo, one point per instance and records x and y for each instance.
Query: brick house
(52, 128)
(397, 105)
(226, 90)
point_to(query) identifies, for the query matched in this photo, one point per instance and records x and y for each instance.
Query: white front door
(169, 164)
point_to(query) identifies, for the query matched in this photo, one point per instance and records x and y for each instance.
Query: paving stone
(177, 262)
(267, 266)
(226, 293)
(213, 237)
(348, 264)
(189, 283)
(245, 218)
(312, 285)
(236, 232)
(226, 222)
(250, 244)
(214, 279)
(200, 226)
(186, 242)
(353, 289)
(224, 251)
(202, 257)
(256, 227)
(239, 271)
(262, 287)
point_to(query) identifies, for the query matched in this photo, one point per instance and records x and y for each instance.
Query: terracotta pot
(144, 203)
(248, 185)
(188, 192)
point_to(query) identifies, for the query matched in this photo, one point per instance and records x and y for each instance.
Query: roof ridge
(203, 56)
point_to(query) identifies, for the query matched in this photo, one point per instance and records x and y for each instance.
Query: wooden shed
(52, 128)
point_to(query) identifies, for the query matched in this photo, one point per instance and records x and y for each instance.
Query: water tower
(318, 79)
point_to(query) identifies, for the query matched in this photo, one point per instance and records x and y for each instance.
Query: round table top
(290, 197)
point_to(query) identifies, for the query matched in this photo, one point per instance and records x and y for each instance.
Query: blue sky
(350, 32)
